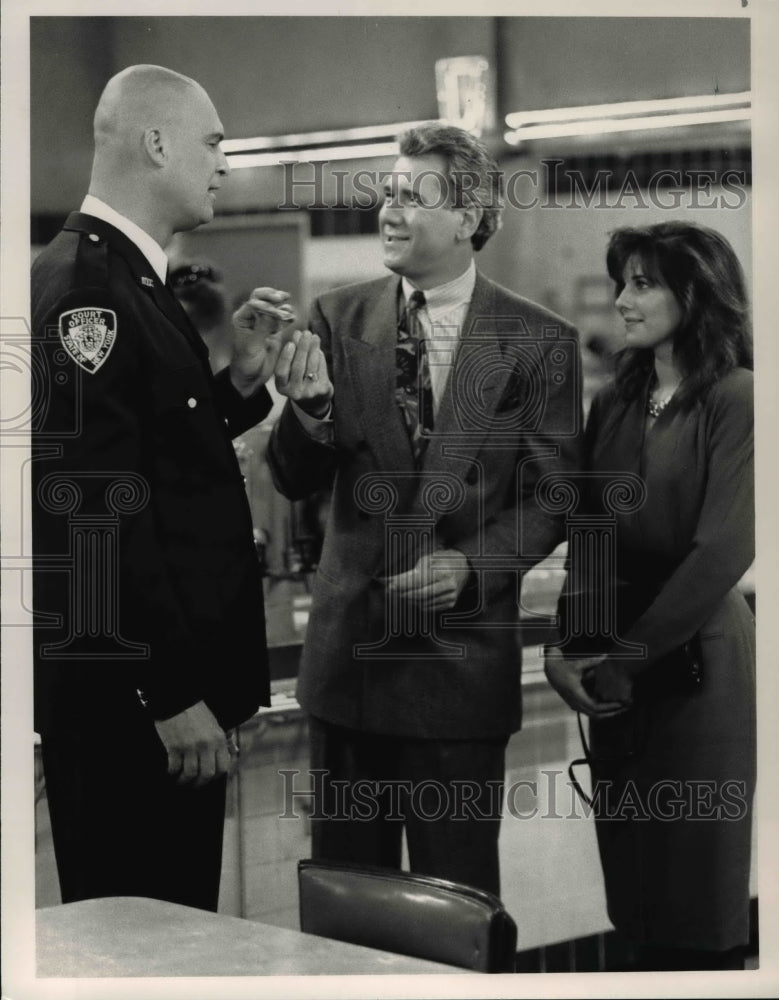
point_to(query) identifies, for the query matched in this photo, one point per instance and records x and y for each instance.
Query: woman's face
(648, 308)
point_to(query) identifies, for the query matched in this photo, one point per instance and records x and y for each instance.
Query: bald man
(150, 635)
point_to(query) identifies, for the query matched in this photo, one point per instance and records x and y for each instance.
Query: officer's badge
(88, 335)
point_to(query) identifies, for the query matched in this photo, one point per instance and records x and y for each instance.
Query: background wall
(274, 75)
(270, 75)
(561, 62)
(266, 75)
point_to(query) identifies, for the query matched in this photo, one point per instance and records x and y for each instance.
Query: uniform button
(94, 237)
(192, 402)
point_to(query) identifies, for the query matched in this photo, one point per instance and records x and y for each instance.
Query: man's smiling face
(418, 225)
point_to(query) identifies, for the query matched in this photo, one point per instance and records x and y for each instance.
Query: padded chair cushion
(407, 914)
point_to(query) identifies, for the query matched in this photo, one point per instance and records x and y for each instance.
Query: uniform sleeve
(300, 463)
(723, 545)
(240, 413)
(99, 558)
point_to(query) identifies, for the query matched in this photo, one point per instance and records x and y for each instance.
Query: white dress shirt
(150, 248)
(441, 321)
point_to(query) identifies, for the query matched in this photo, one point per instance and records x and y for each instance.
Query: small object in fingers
(286, 335)
(284, 311)
(311, 376)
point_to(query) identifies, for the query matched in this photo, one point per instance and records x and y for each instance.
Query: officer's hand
(301, 374)
(568, 676)
(435, 582)
(198, 748)
(260, 328)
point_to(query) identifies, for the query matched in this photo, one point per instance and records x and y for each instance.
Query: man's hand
(260, 329)
(436, 581)
(301, 374)
(567, 678)
(198, 747)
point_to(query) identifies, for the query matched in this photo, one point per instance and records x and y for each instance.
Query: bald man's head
(138, 98)
(157, 153)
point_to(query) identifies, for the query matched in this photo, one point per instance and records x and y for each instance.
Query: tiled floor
(550, 869)
(551, 877)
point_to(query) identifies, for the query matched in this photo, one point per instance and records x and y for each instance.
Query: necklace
(655, 407)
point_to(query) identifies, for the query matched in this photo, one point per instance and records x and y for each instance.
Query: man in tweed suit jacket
(410, 670)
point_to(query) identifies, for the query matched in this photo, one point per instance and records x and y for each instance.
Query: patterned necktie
(413, 388)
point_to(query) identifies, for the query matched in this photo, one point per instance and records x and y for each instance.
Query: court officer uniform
(147, 590)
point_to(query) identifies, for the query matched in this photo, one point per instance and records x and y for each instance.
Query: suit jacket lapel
(473, 391)
(370, 362)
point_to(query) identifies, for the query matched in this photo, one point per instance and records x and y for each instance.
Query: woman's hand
(611, 682)
(568, 678)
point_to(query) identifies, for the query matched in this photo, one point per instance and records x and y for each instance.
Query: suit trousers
(447, 794)
(122, 827)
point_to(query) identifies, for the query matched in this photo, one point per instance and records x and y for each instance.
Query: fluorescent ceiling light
(518, 119)
(603, 126)
(331, 136)
(330, 144)
(324, 153)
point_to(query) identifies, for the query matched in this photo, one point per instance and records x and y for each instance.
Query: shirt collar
(149, 247)
(444, 298)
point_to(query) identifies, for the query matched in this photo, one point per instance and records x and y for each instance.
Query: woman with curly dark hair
(670, 693)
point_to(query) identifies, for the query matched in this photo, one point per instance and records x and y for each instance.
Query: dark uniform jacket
(146, 578)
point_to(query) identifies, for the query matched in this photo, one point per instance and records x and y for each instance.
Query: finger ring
(310, 376)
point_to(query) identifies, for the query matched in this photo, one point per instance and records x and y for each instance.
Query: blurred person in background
(672, 732)
(198, 286)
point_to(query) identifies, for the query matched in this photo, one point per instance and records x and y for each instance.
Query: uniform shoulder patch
(88, 334)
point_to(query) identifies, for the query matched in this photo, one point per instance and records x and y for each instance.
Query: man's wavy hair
(472, 172)
(701, 270)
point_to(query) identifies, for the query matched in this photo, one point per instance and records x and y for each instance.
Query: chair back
(408, 914)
